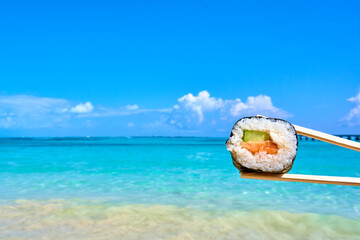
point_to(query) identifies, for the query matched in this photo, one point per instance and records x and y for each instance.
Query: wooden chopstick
(349, 181)
(327, 138)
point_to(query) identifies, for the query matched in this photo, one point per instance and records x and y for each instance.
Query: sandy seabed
(75, 219)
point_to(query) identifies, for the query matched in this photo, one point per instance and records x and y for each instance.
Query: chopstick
(327, 138)
(349, 181)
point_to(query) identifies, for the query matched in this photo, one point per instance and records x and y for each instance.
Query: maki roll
(261, 144)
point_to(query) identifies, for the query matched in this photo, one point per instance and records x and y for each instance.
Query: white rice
(281, 133)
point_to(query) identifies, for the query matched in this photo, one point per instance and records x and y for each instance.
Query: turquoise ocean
(167, 188)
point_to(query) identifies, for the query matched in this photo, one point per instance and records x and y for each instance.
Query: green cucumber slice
(255, 136)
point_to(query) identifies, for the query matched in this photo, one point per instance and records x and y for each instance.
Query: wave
(77, 219)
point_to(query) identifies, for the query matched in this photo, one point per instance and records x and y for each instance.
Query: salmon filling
(267, 146)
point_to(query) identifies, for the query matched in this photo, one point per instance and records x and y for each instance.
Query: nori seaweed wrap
(262, 144)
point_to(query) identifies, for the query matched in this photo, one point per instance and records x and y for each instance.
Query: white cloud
(353, 118)
(82, 108)
(189, 115)
(25, 103)
(6, 122)
(123, 111)
(255, 105)
(191, 110)
(200, 103)
(31, 112)
(23, 111)
(132, 107)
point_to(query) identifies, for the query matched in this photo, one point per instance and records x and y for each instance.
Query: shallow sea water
(167, 188)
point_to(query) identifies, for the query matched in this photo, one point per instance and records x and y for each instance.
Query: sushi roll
(261, 144)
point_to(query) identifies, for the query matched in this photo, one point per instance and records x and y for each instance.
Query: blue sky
(171, 68)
